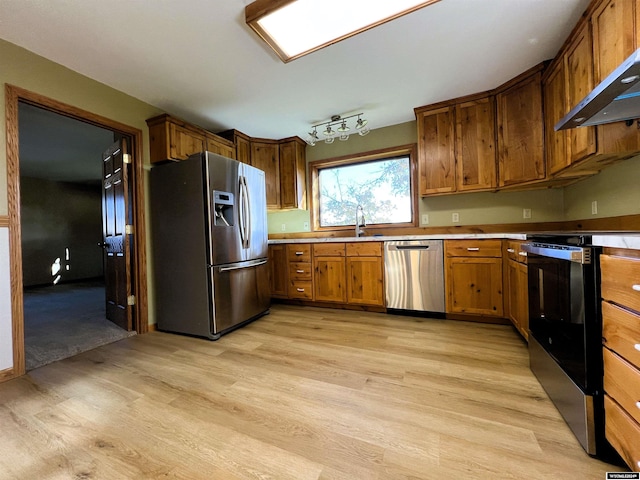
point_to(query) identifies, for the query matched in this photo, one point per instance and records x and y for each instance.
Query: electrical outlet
(305, 226)
(425, 219)
(526, 213)
(455, 217)
(594, 207)
(284, 227)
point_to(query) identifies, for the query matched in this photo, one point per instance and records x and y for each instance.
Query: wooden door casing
(117, 249)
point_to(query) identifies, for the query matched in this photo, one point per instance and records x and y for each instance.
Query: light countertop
(373, 238)
(617, 241)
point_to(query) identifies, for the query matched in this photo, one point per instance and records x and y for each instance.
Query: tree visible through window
(382, 187)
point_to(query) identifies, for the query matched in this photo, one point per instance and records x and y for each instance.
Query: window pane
(382, 187)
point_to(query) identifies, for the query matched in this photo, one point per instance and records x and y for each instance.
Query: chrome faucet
(360, 221)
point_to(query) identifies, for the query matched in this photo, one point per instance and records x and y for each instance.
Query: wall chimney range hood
(615, 99)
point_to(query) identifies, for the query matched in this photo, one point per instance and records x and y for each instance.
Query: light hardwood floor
(301, 394)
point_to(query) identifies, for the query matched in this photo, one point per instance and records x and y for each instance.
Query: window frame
(353, 159)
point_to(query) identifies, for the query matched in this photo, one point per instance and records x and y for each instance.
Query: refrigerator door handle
(247, 212)
(246, 265)
(241, 214)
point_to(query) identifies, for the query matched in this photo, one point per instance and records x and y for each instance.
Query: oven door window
(557, 312)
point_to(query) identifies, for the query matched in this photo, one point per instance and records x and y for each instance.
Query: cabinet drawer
(621, 280)
(622, 383)
(298, 289)
(473, 248)
(300, 271)
(328, 249)
(622, 432)
(299, 252)
(621, 332)
(364, 249)
(515, 251)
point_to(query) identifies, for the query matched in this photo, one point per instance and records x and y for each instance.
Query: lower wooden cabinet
(337, 273)
(517, 296)
(278, 271)
(473, 277)
(620, 289)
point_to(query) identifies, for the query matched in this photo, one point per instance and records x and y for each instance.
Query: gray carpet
(63, 320)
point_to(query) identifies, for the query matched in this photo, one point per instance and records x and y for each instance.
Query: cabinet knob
(636, 288)
(637, 346)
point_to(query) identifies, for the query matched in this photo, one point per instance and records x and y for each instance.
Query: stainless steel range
(566, 331)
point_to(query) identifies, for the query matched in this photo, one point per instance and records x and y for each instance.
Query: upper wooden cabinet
(265, 156)
(456, 146)
(242, 144)
(436, 150)
(173, 139)
(555, 107)
(475, 145)
(520, 130)
(293, 171)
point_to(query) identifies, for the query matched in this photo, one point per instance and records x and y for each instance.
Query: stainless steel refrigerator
(209, 241)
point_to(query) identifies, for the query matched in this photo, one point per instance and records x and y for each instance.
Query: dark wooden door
(116, 210)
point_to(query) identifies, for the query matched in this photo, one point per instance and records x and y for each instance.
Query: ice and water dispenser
(223, 209)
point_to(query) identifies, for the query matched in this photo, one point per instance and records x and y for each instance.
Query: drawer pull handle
(638, 404)
(510, 250)
(299, 253)
(299, 271)
(300, 289)
(522, 254)
(473, 249)
(636, 288)
(637, 346)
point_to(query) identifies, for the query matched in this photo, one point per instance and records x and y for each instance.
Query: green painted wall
(473, 208)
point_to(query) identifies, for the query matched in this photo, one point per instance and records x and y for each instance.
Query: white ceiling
(198, 60)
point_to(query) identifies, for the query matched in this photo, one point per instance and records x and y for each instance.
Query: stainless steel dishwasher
(414, 275)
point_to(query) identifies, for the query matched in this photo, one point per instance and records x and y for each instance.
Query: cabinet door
(613, 25)
(555, 107)
(365, 281)
(243, 150)
(328, 279)
(220, 146)
(523, 299)
(520, 134)
(578, 83)
(292, 175)
(475, 145)
(474, 286)
(436, 157)
(278, 270)
(184, 142)
(265, 156)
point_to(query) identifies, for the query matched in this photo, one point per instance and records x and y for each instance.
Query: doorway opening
(135, 231)
(61, 230)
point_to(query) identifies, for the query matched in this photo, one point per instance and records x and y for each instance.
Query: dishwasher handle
(410, 247)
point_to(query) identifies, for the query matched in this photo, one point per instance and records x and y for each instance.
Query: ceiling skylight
(294, 28)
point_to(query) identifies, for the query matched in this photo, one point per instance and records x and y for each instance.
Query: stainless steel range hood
(617, 98)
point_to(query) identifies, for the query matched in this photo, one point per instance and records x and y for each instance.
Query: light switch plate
(526, 213)
(455, 217)
(425, 219)
(305, 226)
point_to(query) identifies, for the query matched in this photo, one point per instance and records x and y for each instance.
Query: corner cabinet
(173, 139)
(520, 130)
(284, 163)
(473, 277)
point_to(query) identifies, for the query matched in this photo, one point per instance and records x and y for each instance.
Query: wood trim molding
(4, 221)
(14, 95)
(7, 374)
